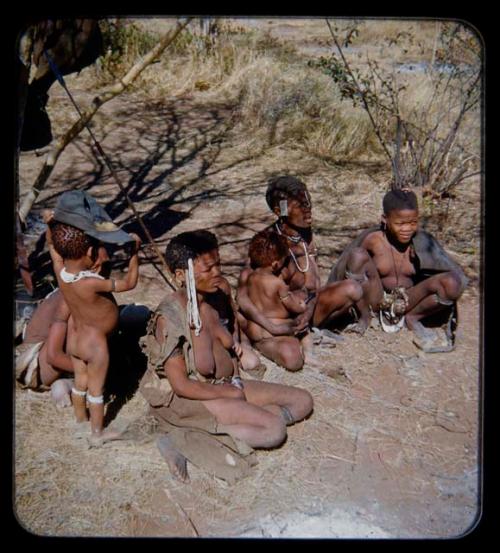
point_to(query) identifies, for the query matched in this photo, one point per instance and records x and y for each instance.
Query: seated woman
(405, 274)
(42, 361)
(268, 291)
(222, 301)
(187, 342)
(290, 201)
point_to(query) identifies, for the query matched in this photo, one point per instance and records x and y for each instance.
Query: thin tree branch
(361, 92)
(87, 115)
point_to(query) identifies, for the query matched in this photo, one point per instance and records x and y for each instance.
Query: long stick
(87, 115)
(84, 122)
(168, 278)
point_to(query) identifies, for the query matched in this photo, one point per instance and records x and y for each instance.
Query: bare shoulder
(225, 286)
(244, 276)
(273, 283)
(372, 240)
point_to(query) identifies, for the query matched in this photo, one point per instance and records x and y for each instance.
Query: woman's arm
(56, 356)
(290, 300)
(175, 371)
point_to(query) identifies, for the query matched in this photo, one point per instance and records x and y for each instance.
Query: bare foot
(420, 330)
(358, 327)
(98, 439)
(61, 392)
(176, 462)
(80, 429)
(311, 357)
(325, 336)
(428, 340)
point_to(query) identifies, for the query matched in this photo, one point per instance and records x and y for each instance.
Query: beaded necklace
(296, 240)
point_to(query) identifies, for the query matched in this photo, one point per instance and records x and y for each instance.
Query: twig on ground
(183, 512)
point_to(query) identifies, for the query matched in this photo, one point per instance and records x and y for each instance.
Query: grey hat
(81, 210)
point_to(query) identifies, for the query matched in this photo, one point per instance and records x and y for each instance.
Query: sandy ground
(391, 449)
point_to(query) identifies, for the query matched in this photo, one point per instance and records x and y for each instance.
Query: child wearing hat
(77, 255)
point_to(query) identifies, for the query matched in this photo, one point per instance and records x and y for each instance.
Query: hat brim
(113, 237)
(117, 236)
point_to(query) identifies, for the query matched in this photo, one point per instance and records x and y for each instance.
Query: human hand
(301, 322)
(281, 329)
(237, 348)
(47, 215)
(134, 248)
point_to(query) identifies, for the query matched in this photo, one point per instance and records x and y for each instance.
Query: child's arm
(247, 307)
(289, 299)
(130, 281)
(121, 285)
(57, 260)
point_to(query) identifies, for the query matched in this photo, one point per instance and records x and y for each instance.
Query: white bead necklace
(296, 240)
(71, 277)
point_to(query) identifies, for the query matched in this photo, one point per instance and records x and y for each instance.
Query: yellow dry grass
(375, 446)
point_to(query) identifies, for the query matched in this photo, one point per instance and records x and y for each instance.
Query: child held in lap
(271, 295)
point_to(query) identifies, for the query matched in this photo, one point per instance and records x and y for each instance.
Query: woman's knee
(249, 360)
(452, 285)
(291, 357)
(352, 290)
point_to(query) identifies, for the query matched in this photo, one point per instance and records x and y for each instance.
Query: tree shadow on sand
(126, 368)
(173, 146)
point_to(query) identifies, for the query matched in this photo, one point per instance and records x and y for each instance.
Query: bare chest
(394, 264)
(302, 269)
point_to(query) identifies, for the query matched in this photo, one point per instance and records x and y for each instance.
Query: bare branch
(87, 115)
(361, 92)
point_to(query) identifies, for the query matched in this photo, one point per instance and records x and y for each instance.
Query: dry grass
(257, 67)
(375, 424)
(372, 459)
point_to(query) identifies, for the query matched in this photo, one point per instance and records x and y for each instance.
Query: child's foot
(60, 392)
(80, 429)
(98, 439)
(177, 463)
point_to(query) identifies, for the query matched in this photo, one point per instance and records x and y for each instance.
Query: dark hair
(188, 245)
(281, 188)
(399, 199)
(265, 247)
(70, 242)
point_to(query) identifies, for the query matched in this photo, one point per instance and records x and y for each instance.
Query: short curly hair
(399, 199)
(282, 188)
(265, 247)
(70, 242)
(188, 245)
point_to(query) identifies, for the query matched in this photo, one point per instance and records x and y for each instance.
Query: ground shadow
(127, 362)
